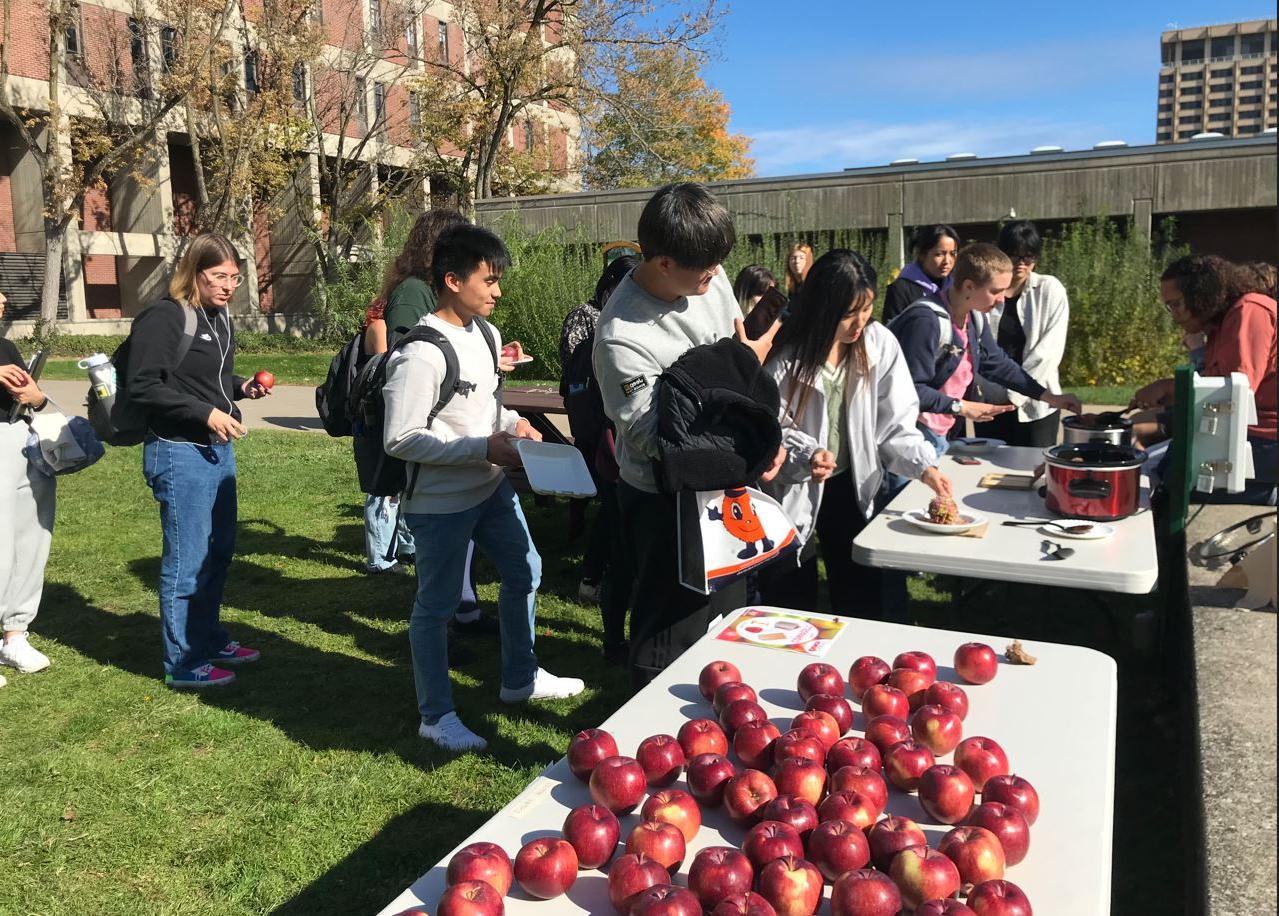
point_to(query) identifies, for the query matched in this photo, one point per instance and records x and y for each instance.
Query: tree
(662, 123)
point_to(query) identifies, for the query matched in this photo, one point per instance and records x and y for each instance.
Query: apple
(1014, 792)
(264, 379)
(835, 707)
(821, 724)
(753, 744)
(999, 898)
(905, 762)
(800, 814)
(936, 727)
(912, 683)
(883, 700)
(618, 784)
(593, 832)
(853, 752)
(674, 806)
(587, 749)
(948, 907)
(706, 776)
(820, 677)
(729, 691)
(659, 841)
(1008, 824)
(924, 874)
(837, 847)
(865, 673)
(981, 759)
(850, 806)
(738, 713)
(661, 758)
(861, 779)
(631, 874)
(976, 663)
(949, 696)
(792, 885)
(747, 904)
(666, 900)
(917, 661)
(769, 840)
(546, 867)
(890, 836)
(468, 898)
(714, 674)
(946, 793)
(413, 911)
(485, 862)
(976, 853)
(885, 731)
(702, 736)
(745, 794)
(719, 872)
(799, 742)
(802, 778)
(865, 892)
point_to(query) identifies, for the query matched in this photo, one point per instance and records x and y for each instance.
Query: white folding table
(1056, 720)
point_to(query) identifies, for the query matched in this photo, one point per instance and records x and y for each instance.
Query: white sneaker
(450, 734)
(20, 654)
(588, 592)
(2, 680)
(544, 686)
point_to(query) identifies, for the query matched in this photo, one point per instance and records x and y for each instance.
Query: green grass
(1103, 395)
(288, 368)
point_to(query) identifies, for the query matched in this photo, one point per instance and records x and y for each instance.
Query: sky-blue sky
(821, 85)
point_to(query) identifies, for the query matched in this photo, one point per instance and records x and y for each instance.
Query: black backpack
(332, 399)
(381, 474)
(583, 402)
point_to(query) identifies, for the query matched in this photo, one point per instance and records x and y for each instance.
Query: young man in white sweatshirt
(460, 491)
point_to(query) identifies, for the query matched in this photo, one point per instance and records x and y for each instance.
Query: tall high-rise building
(1218, 79)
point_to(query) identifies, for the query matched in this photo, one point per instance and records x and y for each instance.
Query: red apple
(853, 752)
(666, 900)
(745, 794)
(732, 690)
(976, 663)
(917, 661)
(769, 840)
(981, 759)
(820, 677)
(937, 728)
(949, 907)
(792, 885)
(835, 707)
(861, 779)
(849, 806)
(747, 904)
(924, 874)
(837, 847)
(714, 674)
(702, 736)
(797, 812)
(883, 700)
(946, 793)
(976, 853)
(546, 867)
(264, 379)
(905, 762)
(659, 841)
(469, 898)
(865, 892)
(738, 713)
(510, 350)
(674, 806)
(413, 911)
(999, 898)
(587, 749)
(912, 683)
(1008, 824)
(593, 832)
(618, 784)
(719, 872)
(865, 673)
(485, 862)
(890, 836)
(885, 731)
(821, 724)
(629, 875)
(661, 758)
(1014, 792)
(799, 742)
(707, 775)
(753, 744)
(802, 778)
(949, 696)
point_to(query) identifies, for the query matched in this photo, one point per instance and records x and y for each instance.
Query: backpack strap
(188, 333)
(486, 331)
(945, 327)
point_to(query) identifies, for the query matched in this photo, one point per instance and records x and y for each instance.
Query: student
(946, 345)
(934, 248)
(460, 493)
(188, 460)
(798, 262)
(406, 288)
(751, 284)
(676, 299)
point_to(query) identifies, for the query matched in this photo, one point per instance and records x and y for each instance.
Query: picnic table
(1068, 755)
(538, 405)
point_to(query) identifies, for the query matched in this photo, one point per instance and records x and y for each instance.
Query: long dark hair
(415, 257)
(1209, 285)
(839, 280)
(613, 274)
(752, 282)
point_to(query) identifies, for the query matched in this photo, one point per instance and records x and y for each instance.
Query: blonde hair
(794, 280)
(979, 262)
(205, 251)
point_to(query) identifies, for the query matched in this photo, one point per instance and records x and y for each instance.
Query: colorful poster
(793, 632)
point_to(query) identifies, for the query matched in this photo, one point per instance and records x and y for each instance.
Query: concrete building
(120, 254)
(1221, 79)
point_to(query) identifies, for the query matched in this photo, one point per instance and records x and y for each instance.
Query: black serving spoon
(1080, 528)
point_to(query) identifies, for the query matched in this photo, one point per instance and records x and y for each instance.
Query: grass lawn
(1106, 395)
(304, 788)
(289, 368)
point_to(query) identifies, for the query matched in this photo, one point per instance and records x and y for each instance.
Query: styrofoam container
(554, 469)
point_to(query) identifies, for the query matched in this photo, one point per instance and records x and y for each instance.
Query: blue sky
(821, 85)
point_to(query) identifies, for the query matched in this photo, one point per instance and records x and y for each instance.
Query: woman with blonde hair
(798, 263)
(188, 392)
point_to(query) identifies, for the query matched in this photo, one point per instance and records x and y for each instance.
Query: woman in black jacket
(187, 457)
(925, 277)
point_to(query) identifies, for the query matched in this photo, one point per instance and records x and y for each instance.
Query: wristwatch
(956, 406)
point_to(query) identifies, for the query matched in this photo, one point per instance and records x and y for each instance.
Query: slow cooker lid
(1096, 455)
(1095, 424)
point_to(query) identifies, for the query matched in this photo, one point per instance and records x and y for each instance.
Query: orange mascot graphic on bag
(741, 521)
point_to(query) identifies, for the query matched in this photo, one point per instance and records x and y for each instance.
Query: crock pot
(1093, 480)
(1107, 428)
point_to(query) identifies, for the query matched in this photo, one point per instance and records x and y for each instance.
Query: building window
(1167, 52)
(1251, 84)
(375, 16)
(1192, 52)
(1249, 71)
(299, 81)
(1187, 134)
(1221, 87)
(1250, 100)
(1165, 122)
(444, 42)
(138, 51)
(72, 35)
(1165, 107)
(1192, 104)
(412, 40)
(1166, 77)
(251, 72)
(379, 101)
(1192, 90)
(1223, 47)
(415, 109)
(1252, 45)
(1222, 73)
(1195, 77)
(168, 47)
(1220, 103)
(529, 135)
(361, 100)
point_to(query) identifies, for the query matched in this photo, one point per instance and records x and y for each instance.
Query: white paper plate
(1097, 532)
(977, 445)
(524, 360)
(919, 518)
(554, 469)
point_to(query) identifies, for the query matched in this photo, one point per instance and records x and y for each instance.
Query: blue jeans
(499, 529)
(380, 515)
(195, 487)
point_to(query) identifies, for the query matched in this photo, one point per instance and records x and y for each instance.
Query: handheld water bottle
(101, 375)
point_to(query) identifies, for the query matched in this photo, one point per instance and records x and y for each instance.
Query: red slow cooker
(1094, 480)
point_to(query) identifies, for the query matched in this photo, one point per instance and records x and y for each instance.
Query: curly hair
(1209, 285)
(1261, 277)
(415, 258)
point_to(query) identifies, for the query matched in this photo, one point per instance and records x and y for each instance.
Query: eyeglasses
(231, 280)
(1025, 260)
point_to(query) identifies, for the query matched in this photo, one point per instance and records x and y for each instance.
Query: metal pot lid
(1094, 423)
(1095, 455)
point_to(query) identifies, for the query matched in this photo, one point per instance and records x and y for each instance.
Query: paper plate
(523, 361)
(554, 469)
(1096, 533)
(976, 445)
(919, 518)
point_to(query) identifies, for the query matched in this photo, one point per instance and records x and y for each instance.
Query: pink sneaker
(235, 654)
(199, 678)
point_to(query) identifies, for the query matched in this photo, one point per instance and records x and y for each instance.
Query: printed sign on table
(724, 534)
(777, 630)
